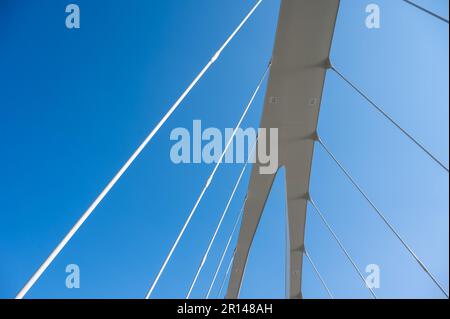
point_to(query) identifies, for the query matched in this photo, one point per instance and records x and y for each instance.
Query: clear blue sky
(74, 104)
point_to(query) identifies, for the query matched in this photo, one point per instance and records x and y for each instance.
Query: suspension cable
(225, 251)
(208, 182)
(205, 256)
(318, 273)
(317, 210)
(226, 275)
(381, 215)
(426, 11)
(128, 163)
(390, 119)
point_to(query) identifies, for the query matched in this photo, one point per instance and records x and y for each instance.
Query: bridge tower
(292, 103)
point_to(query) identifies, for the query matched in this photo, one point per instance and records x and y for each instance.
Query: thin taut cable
(208, 182)
(128, 163)
(426, 10)
(322, 217)
(318, 273)
(225, 251)
(390, 119)
(381, 215)
(205, 256)
(226, 275)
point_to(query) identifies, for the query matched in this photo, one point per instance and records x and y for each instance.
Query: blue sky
(74, 104)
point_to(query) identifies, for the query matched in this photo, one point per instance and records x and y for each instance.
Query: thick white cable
(225, 251)
(119, 174)
(205, 256)
(208, 182)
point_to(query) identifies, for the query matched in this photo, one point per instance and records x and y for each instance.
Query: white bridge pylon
(292, 103)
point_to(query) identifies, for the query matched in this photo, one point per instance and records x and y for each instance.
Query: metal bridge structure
(296, 76)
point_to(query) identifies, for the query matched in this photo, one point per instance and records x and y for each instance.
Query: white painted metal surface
(292, 103)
